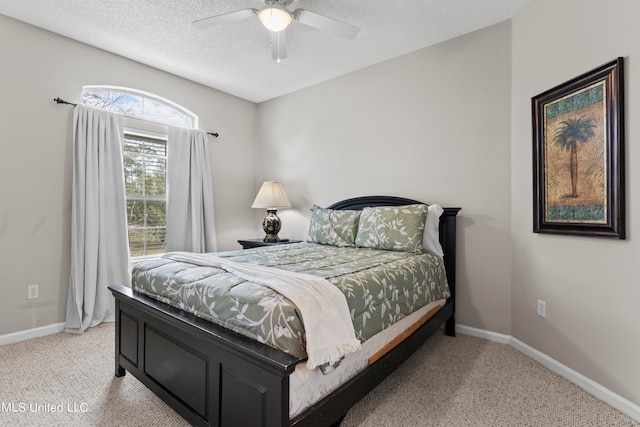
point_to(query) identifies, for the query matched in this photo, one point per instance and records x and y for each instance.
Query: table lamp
(271, 197)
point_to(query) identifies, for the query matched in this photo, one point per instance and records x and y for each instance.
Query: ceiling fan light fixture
(274, 17)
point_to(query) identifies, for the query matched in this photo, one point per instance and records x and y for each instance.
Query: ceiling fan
(276, 17)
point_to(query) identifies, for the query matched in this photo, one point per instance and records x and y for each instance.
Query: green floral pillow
(333, 227)
(393, 228)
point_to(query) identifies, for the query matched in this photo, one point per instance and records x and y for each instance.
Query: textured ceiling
(236, 57)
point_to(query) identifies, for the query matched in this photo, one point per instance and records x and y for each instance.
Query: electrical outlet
(33, 291)
(542, 308)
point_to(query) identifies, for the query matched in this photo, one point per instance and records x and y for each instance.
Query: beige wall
(432, 125)
(591, 285)
(35, 160)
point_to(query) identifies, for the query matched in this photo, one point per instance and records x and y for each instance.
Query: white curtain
(99, 242)
(190, 224)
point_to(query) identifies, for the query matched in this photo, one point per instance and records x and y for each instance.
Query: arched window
(145, 159)
(138, 104)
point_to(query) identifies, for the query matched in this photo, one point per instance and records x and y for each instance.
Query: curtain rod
(62, 101)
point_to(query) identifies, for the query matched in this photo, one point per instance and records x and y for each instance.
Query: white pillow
(431, 238)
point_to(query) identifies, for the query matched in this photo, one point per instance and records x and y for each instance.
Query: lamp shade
(274, 17)
(271, 196)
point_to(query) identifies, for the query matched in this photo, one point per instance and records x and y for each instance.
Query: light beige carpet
(67, 380)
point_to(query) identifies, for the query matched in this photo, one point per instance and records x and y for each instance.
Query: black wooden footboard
(209, 375)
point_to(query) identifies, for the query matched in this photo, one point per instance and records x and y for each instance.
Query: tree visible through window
(145, 177)
(145, 159)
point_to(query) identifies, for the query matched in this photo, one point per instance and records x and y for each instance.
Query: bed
(214, 376)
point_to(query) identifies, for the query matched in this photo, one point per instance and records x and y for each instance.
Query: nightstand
(254, 243)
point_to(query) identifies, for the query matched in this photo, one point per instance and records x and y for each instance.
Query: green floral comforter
(381, 288)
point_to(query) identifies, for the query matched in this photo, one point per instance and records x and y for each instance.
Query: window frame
(133, 133)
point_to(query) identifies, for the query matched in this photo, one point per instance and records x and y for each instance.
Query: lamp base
(271, 225)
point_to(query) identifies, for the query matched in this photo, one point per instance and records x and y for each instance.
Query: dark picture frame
(578, 155)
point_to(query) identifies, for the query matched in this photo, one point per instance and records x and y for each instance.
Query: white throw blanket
(325, 313)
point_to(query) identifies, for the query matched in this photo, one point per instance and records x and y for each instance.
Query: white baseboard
(31, 333)
(620, 403)
(481, 333)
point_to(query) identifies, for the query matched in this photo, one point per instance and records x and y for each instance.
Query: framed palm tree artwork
(578, 155)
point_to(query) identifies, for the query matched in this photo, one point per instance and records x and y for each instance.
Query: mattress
(381, 288)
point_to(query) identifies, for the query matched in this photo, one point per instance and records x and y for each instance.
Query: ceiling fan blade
(324, 23)
(278, 45)
(225, 18)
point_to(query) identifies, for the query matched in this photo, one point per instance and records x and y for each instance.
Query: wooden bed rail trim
(393, 344)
